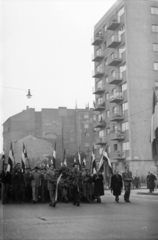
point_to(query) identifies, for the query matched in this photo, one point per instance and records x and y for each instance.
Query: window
(156, 66)
(115, 147)
(86, 134)
(100, 100)
(122, 68)
(107, 96)
(121, 29)
(113, 73)
(94, 118)
(122, 49)
(114, 110)
(124, 87)
(107, 114)
(86, 116)
(126, 146)
(100, 117)
(86, 125)
(125, 106)
(106, 62)
(106, 79)
(154, 28)
(101, 134)
(107, 131)
(125, 126)
(154, 10)
(86, 144)
(155, 47)
(120, 12)
(105, 28)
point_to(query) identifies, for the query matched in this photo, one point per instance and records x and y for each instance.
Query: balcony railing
(101, 141)
(115, 78)
(116, 97)
(99, 89)
(114, 59)
(114, 41)
(118, 155)
(118, 135)
(97, 40)
(100, 124)
(99, 106)
(118, 116)
(99, 72)
(98, 56)
(113, 23)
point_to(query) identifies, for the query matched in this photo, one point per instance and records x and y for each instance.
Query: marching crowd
(49, 185)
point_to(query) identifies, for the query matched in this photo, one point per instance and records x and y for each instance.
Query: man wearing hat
(127, 178)
(35, 183)
(76, 185)
(51, 185)
(28, 189)
(18, 183)
(5, 179)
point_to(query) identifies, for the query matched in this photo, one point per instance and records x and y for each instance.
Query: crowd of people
(49, 185)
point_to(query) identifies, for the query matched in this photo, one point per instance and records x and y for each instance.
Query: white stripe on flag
(56, 190)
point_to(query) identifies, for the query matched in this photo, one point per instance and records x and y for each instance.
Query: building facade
(125, 73)
(71, 129)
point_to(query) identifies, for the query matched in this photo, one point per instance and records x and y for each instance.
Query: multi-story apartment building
(125, 72)
(71, 129)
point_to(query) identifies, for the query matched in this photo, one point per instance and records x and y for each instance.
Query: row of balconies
(119, 136)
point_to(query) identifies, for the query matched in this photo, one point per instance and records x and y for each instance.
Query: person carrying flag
(51, 185)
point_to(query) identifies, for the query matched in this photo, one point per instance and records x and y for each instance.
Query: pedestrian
(116, 185)
(98, 186)
(43, 185)
(137, 182)
(5, 179)
(76, 181)
(147, 180)
(51, 184)
(127, 178)
(28, 189)
(152, 182)
(18, 182)
(35, 183)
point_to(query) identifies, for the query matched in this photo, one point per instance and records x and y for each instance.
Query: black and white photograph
(78, 119)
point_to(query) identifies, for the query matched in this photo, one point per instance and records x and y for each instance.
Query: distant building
(125, 72)
(71, 129)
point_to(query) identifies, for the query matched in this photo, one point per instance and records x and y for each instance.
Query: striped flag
(84, 162)
(93, 162)
(2, 160)
(154, 127)
(54, 156)
(104, 158)
(79, 157)
(23, 158)
(65, 159)
(11, 160)
(56, 190)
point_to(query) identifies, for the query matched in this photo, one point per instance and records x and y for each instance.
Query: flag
(93, 162)
(74, 160)
(154, 127)
(2, 159)
(56, 190)
(64, 158)
(54, 156)
(23, 158)
(11, 160)
(105, 158)
(84, 162)
(79, 157)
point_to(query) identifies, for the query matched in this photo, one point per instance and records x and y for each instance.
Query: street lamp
(29, 94)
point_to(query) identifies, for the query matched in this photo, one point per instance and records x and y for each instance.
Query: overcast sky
(46, 47)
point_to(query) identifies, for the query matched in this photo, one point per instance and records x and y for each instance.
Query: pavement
(95, 221)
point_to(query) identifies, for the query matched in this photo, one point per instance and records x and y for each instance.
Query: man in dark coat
(5, 179)
(18, 182)
(127, 178)
(116, 185)
(28, 189)
(98, 186)
(76, 180)
(152, 179)
(51, 185)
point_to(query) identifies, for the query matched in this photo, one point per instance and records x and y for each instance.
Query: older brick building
(71, 129)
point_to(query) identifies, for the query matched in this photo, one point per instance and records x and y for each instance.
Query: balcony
(118, 116)
(116, 97)
(98, 73)
(118, 155)
(114, 41)
(98, 56)
(100, 106)
(100, 124)
(119, 136)
(97, 40)
(116, 78)
(113, 23)
(99, 89)
(101, 141)
(114, 60)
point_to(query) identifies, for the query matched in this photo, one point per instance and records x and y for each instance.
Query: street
(108, 220)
